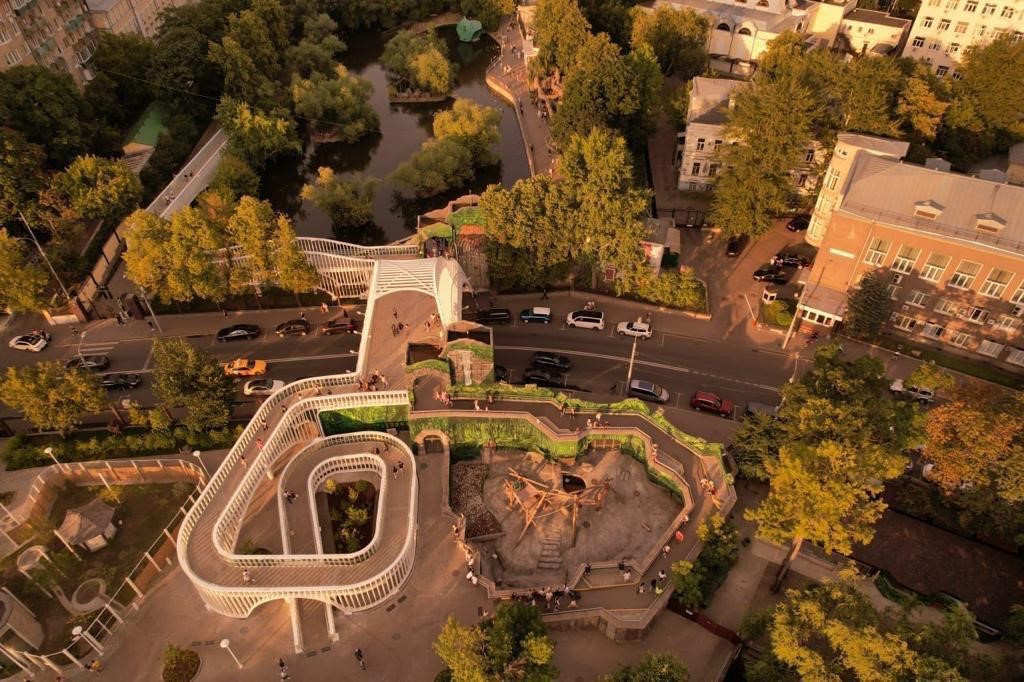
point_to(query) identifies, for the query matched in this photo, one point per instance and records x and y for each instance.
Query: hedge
(441, 366)
(506, 433)
(481, 350)
(335, 422)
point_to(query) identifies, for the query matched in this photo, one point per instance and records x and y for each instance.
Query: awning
(824, 300)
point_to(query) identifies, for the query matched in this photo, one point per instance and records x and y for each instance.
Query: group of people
(290, 496)
(551, 597)
(488, 401)
(444, 397)
(376, 382)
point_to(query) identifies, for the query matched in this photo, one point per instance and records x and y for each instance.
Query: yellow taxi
(243, 367)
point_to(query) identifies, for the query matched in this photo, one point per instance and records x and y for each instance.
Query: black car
(736, 245)
(500, 374)
(790, 260)
(238, 332)
(535, 315)
(120, 382)
(297, 327)
(93, 362)
(493, 316)
(799, 223)
(543, 377)
(344, 325)
(772, 275)
(559, 363)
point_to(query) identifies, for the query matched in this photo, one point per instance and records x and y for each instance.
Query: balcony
(20, 7)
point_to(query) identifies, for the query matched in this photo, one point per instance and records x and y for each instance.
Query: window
(961, 27)
(942, 71)
(917, 299)
(918, 42)
(934, 47)
(936, 265)
(927, 22)
(700, 144)
(696, 169)
(13, 57)
(951, 4)
(960, 339)
(725, 27)
(933, 331)
(743, 31)
(954, 48)
(990, 348)
(971, 6)
(964, 276)
(1007, 12)
(801, 180)
(833, 178)
(4, 35)
(809, 156)
(894, 292)
(988, 9)
(1018, 296)
(905, 259)
(933, 3)
(946, 307)
(996, 283)
(819, 318)
(712, 170)
(1007, 323)
(1015, 356)
(943, 24)
(718, 143)
(976, 315)
(876, 251)
(903, 322)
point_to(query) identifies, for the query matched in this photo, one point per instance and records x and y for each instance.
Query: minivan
(645, 390)
(585, 319)
(535, 315)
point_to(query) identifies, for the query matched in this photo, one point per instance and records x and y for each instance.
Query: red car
(702, 400)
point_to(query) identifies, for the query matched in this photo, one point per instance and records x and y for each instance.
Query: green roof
(149, 126)
(469, 30)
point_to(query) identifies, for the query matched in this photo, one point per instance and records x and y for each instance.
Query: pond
(403, 128)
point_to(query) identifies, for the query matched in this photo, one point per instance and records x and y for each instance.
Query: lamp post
(56, 461)
(149, 307)
(43, 254)
(81, 339)
(199, 455)
(226, 645)
(632, 358)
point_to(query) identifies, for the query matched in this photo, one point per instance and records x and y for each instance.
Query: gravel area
(467, 486)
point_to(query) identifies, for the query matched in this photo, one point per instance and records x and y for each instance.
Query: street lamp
(56, 461)
(199, 455)
(145, 299)
(226, 645)
(632, 358)
(45, 258)
(81, 338)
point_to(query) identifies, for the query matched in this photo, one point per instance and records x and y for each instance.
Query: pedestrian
(323, 308)
(622, 566)
(259, 443)
(659, 589)
(679, 536)
(654, 584)
(490, 399)
(394, 471)
(665, 550)
(586, 570)
(641, 588)
(285, 675)
(476, 405)
(281, 664)
(359, 657)
(544, 293)
(662, 575)
(401, 467)
(394, 313)
(572, 602)
(614, 388)
(246, 578)
(263, 421)
(627, 575)
(241, 460)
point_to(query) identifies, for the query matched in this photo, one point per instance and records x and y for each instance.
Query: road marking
(149, 357)
(645, 363)
(270, 361)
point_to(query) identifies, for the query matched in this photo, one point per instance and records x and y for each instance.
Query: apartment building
(141, 17)
(944, 29)
(698, 146)
(950, 246)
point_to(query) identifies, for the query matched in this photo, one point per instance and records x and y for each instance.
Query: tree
(251, 227)
(52, 397)
(472, 125)
(23, 282)
(920, 108)
(254, 135)
(696, 583)
(146, 258)
(653, 667)
(46, 108)
(348, 203)
(928, 375)
(488, 12)
(318, 48)
(613, 17)
(294, 273)
(115, 94)
(686, 581)
(512, 645)
(1013, 628)
(992, 77)
(185, 376)
(21, 173)
(419, 61)
(560, 29)
(338, 105)
(251, 51)
(867, 91)
(755, 441)
(677, 36)
(438, 166)
(867, 307)
(98, 189)
(235, 177)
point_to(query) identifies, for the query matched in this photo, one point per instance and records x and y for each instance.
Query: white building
(698, 146)
(944, 29)
(873, 33)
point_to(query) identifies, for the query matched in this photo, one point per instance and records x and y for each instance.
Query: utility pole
(43, 254)
(145, 299)
(632, 357)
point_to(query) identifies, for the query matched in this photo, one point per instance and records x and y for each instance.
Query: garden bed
(466, 493)
(180, 665)
(353, 512)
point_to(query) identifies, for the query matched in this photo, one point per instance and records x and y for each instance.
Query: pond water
(403, 128)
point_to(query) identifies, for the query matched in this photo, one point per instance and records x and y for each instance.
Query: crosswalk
(97, 348)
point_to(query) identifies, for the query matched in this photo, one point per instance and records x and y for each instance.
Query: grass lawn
(144, 510)
(779, 313)
(956, 363)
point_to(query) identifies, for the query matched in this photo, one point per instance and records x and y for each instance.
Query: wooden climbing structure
(538, 500)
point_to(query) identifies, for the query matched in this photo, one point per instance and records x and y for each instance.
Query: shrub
(360, 418)
(180, 665)
(674, 289)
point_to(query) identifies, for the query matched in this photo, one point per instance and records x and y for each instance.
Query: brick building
(951, 247)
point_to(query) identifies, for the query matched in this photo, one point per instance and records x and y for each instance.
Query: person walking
(281, 664)
(359, 657)
(544, 293)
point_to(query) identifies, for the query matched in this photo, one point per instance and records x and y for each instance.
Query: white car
(921, 395)
(641, 329)
(585, 319)
(262, 386)
(33, 343)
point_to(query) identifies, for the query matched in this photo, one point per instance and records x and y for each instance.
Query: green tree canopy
(46, 108)
(235, 177)
(419, 61)
(185, 376)
(23, 281)
(115, 93)
(348, 203)
(653, 667)
(98, 189)
(251, 52)
(678, 37)
(252, 226)
(472, 125)
(867, 307)
(560, 31)
(992, 78)
(338, 104)
(255, 135)
(438, 166)
(52, 397)
(294, 272)
(318, 48)
(21, 173)
(487, 12)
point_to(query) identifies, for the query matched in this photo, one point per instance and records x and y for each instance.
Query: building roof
(657, 230)
(823, 299)
(709, 99)
(879, 145)
(86, 522)
(148, 127)
(762, 20)
(870, 16)
(889, 192)
(100, 5)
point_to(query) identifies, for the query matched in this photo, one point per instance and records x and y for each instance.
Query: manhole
(636, 493)
(586, 524)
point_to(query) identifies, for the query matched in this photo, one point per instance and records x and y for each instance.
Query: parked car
(296, 327)
(93, 362)
(535, 315)
(238, 332)
(120, 382)
(33, 343)
(585, 319)
(772, 275)
(262, 386)
(641, 329)
(343, 325)
(553, 361)
(543, 377)
(493, 316)
(702, 400)
(243, 367)
(799, 223)
(645, 390)
(736, 244)
(500, 374)
(921, 395)
(763, 408)
(790, 260)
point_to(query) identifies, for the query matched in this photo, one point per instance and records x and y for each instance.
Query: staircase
(550, 551)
